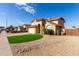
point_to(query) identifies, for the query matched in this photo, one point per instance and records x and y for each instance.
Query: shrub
(49, 31)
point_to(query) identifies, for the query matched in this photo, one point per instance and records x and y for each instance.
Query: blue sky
(20, 13)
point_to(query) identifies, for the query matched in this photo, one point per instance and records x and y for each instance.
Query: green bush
(49, 31)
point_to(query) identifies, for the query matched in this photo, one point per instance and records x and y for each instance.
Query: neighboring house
(23, 28)
(10, 28)
(17, 29)
(40, 25)
(1, 28)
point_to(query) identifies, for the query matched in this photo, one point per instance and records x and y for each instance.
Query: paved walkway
(4, 45)
(48, 46)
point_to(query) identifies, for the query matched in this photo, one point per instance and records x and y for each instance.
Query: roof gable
(55, 19)
(54, 23)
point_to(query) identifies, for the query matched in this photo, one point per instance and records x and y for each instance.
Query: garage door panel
(32, 30)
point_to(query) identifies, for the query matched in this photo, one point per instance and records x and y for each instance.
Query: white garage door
(32, 30)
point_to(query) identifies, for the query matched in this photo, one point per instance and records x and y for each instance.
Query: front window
(49, 27)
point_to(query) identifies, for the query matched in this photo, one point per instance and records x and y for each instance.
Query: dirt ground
(48, 46)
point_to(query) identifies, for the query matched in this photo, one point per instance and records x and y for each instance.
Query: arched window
(49, 27)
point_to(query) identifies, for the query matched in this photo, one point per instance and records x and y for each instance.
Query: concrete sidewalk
(4, 45)
(14, 34)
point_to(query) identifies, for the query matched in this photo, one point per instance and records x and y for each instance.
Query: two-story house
(40, 25)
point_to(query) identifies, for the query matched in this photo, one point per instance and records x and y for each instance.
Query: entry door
(58, 30)
(38, 28)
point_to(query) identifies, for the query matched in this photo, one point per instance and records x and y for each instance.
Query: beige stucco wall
(18, 28)
(24, 26)
(56, 22)
(59, 22)
(36, 23)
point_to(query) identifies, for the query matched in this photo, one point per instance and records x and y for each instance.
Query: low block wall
(72, 32)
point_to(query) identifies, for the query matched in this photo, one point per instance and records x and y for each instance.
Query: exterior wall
(32, 30)
(61, 22)
(36, 23)
(15, 29)
(56, 22)
(25, 28)
(74, 32)
(19, 29)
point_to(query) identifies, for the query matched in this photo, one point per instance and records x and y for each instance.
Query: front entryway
(58, 30)
(38, 29)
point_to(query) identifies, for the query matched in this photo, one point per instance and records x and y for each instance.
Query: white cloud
(27, 7)
(20, 4)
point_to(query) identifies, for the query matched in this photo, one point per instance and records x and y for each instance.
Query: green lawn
(23, 38)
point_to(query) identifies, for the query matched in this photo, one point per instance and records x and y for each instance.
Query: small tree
(49, 31)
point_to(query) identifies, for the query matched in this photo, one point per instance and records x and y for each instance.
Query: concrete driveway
(4, 45)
